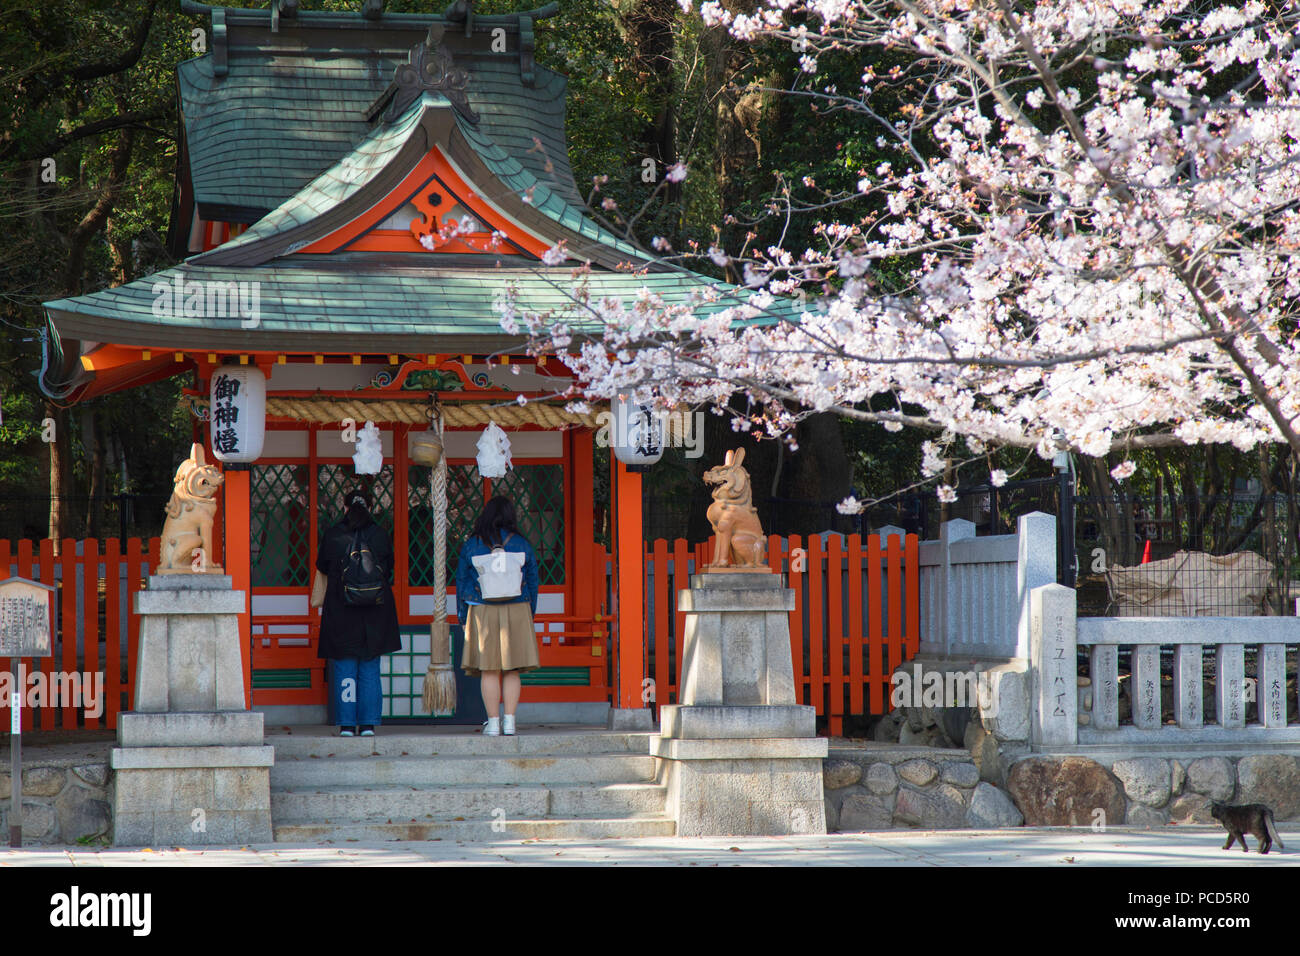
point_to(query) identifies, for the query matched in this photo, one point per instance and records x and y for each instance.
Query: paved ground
(1172, 846)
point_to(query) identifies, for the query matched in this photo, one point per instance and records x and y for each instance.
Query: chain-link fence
(1232, 554)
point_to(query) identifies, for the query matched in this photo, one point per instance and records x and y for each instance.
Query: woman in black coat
(353, 635)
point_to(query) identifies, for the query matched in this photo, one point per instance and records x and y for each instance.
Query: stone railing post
(1035, 567)
(950, 612)
(1053, 655)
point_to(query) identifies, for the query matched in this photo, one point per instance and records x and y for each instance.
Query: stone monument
(191, 767)
(739, 755)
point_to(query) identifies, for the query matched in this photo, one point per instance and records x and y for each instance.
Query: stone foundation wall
(65, 800)
(1150, 791)
(898, 787)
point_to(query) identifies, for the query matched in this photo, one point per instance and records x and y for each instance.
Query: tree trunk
(59, 462)
(649, 30)
(78, 242)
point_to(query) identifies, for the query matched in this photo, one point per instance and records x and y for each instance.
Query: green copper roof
(357, 303)
(343, 179)
(291, 103)
(364, 177)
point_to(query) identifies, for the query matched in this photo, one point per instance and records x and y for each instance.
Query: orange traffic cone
(1146, 552)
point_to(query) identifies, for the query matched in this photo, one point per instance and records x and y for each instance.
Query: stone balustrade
(1062, 716)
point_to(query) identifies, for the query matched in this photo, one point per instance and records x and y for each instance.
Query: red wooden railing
(102, 636)
(856, 616)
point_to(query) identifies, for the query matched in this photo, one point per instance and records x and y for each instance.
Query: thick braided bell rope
(411, 412)
(439, 480)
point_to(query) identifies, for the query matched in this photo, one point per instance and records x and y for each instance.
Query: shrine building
(354, 192)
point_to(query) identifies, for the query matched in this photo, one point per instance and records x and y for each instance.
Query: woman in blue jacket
(500, 642)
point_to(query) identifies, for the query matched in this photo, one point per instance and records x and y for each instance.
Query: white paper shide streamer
(493, 452)
(369, 456)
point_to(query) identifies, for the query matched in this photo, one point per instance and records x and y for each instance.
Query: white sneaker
(492, 727)
(508, 725)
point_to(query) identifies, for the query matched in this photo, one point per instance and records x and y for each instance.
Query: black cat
(1253, 818)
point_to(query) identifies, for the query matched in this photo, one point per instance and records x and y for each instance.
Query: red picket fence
(95, 627)
(856, 617)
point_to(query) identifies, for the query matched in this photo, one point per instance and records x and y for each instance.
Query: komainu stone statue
(741, 546)
(187, 532)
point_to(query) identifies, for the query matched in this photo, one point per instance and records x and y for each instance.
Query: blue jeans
(364, 703)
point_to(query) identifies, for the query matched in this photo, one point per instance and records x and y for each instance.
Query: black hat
(358, 497)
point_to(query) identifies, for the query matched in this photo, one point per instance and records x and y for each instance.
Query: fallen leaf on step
(735, 849)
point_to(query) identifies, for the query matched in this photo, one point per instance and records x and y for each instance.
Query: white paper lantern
(237, 411)
(493, 452)
(638, 437)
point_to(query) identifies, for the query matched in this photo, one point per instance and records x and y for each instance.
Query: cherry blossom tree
(1093, 214)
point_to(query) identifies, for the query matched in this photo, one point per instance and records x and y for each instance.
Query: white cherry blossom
(1097, 235)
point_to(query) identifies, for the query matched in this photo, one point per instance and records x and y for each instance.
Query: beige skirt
(500, 637)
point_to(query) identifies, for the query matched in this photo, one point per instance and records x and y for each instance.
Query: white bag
(500, 574)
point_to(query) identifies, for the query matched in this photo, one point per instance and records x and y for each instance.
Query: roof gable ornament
(429, 70)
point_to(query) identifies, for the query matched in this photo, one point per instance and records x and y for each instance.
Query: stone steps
(387, 744)
(471, 830)
(439, 786)
(382, 804)
(441, 771)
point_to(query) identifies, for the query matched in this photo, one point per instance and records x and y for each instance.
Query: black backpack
(364, 577)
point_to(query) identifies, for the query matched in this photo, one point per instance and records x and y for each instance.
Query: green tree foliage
(87, 167)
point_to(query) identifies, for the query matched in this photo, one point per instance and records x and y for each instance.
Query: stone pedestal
(191, 768)
(738, 755)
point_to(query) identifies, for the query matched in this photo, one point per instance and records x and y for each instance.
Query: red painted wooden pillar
(588, 581)
(238, 562)
(631, 587)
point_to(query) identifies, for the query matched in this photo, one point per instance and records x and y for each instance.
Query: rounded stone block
(1064, 791)
(43, 781)
(1212, 776)
(1146, 780)
(1191, 808)
(941, 807)
(918, 772)
(990, 808)
(881, 779)
(82, 815)
(865, 811)
(960, 774)
(1270, 779)
(95, 774)
(840, 773)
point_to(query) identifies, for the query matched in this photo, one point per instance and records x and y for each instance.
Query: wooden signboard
(25, 620)
(26, 630)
